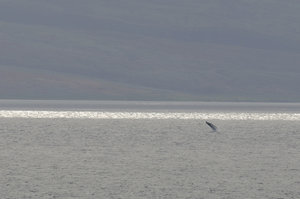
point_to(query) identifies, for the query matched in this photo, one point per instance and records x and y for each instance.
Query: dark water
(147, 106)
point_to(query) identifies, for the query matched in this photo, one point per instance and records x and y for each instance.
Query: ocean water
(61, 149)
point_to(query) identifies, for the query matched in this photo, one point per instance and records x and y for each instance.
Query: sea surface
(163, 150)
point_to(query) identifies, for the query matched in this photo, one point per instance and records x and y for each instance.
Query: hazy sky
(150, 50)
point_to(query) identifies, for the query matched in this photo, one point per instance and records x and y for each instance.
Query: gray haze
(150, 50)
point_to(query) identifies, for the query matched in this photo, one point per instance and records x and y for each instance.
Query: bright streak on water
(150, 115)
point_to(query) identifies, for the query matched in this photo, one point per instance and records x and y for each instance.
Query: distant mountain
(150, 50)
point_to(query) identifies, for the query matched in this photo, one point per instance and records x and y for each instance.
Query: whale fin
(212, 126)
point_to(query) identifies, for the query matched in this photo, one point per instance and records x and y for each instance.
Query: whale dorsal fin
(211, 125)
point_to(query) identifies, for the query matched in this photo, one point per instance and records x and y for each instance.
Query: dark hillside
(150, 50)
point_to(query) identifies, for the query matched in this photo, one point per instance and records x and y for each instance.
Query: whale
(211, 125)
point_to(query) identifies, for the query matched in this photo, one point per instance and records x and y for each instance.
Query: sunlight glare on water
(150, 115)
(148, 150)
